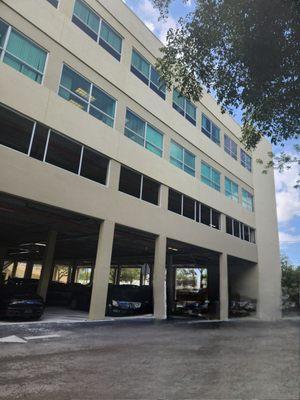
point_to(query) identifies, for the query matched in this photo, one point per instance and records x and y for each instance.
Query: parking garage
(53, 252)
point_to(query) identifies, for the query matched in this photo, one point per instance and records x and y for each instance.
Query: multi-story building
(102, 166)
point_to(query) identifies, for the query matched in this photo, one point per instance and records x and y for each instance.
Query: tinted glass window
(24, 56)
(111, 37)
(188, 207)
(63, 153)
(94, 166)
(3, 31)
(215, 219)
(229, 225)
(150, 191)
(205, 214)
(236, 228)
(15, 130)
(130, 182)
(39, 142)
(174, 201)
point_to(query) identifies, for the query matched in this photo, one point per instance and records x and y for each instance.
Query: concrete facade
(53, 30)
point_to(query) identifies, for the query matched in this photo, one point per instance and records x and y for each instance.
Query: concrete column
(159, 278)
(72, 275)
(28, 270)
(223, 285)
(3, 251)
(14, 270)
(164, 197)
(102, 269)
(223, 222)
(47, 266)
(114, 175)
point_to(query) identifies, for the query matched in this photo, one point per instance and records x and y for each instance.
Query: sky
(287, 197)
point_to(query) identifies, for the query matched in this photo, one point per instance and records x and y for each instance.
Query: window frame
(246, 204)
(244, 160)
(118, 54)
(141, 187)
(230, 195)
(210, 134)
(4, 51)
(228, 150)
(184, 113)
(88, 102)
(145, 141)
(211, 183)
(182, 161)
(149, 82)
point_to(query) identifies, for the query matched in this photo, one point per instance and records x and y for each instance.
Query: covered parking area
(53, 252)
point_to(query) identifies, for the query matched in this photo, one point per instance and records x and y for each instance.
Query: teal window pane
(189, 170)
(154, 149)
(19, 66)
(189, 159)
(103, 102)
(25, 56)
(3, 31)
(227, 186)
(75, 100)
(206, 124)
(247, 200)
(101, 116)
(176, 162)
(87, 16)
(216, 179)
(205, 171)
(154, 138)
(140, 64)
(215, 133)
(155, 79)
(75, 83)
(111, 37)
(176, 151)
(178, 99)
(190, 109)
(135, 124)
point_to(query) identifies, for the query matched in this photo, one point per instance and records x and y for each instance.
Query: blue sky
(288, 198)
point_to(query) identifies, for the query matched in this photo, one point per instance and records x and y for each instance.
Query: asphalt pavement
(149, 360)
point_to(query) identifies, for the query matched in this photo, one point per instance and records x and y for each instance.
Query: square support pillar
(3, 252)
(28, 270)
(47, 265)
(159, 278)
(223, 285)
(101, 271)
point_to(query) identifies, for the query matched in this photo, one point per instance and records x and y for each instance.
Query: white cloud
(287, 238)
(150, 16)
(287, 197)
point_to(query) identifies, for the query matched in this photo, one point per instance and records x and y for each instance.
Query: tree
(248, 53)
(290, 281)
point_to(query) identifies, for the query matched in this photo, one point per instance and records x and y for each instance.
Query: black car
(19, 304)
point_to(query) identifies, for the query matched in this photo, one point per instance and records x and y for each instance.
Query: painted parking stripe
(41, 337)
(12, 339)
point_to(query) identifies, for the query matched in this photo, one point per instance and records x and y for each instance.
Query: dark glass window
(130, 182)
(236, 228)
(54, 3)
(198, 211)
(215, 219)
(188, 207)
(246, 233)
(174, 203)
(252, 235)
(150, 191)
(15, 130)
(205, 214)
(63, 153)
(39, 142)
(229, 225)
(94, 166)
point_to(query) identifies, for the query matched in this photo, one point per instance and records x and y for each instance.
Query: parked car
(20, 304)
(121, 299)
